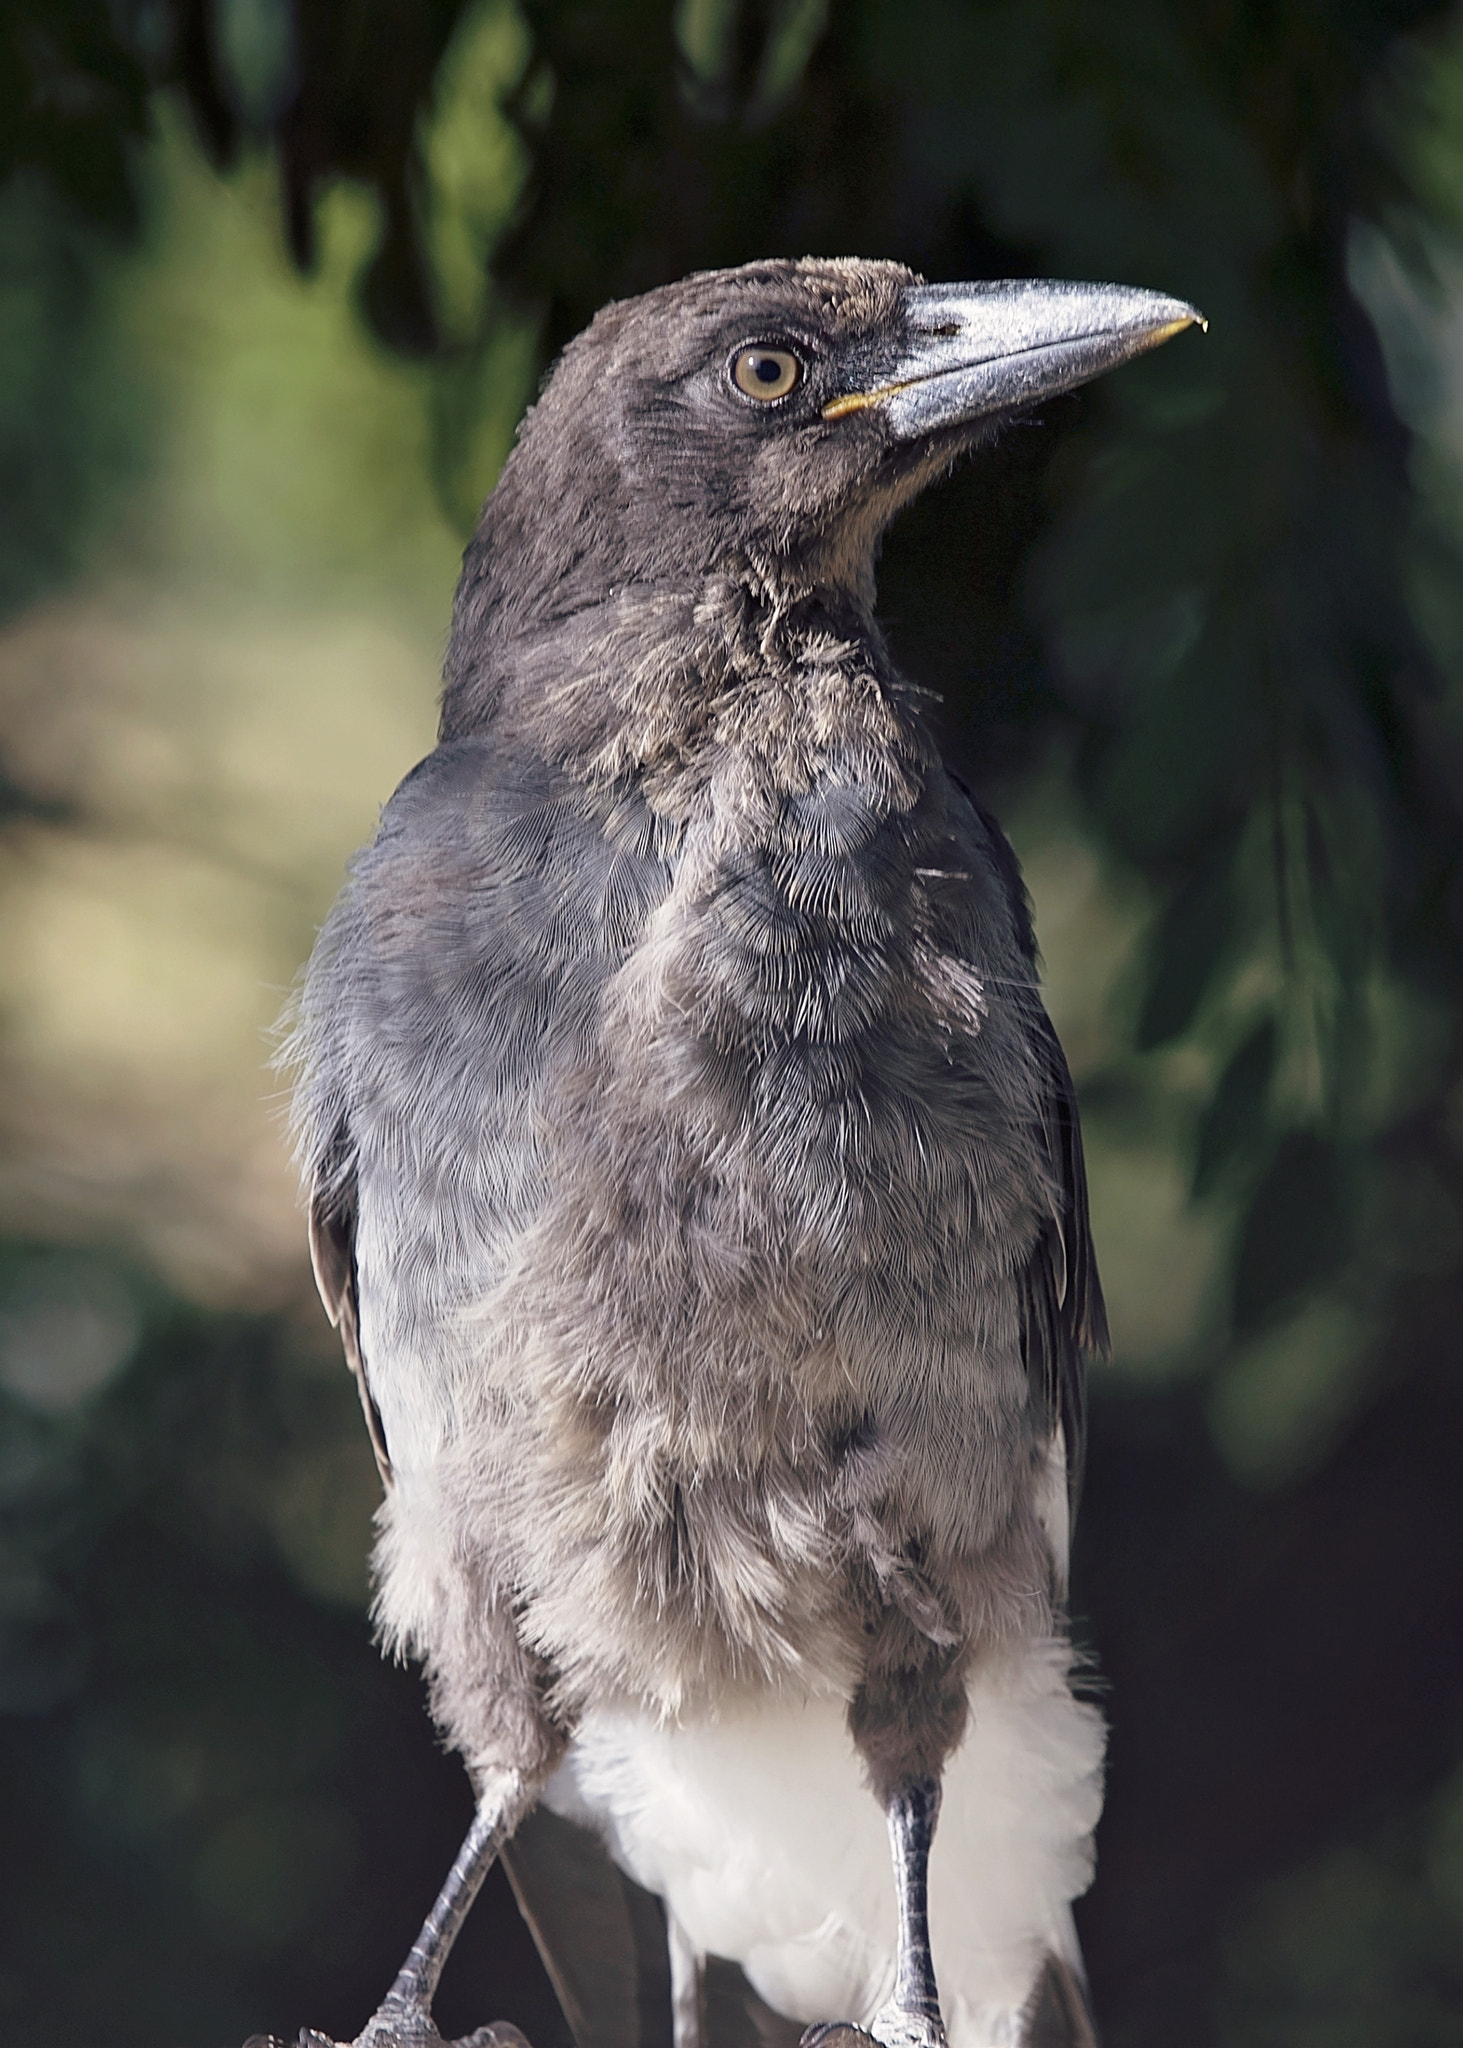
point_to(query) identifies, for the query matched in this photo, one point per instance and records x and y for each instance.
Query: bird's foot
(395, 2025)
(896, 2026)
(893, 2027)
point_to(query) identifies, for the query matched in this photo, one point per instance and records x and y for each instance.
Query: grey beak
(977, 349)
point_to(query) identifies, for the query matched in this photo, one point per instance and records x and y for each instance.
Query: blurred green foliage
(72, 436)
(1200, 641)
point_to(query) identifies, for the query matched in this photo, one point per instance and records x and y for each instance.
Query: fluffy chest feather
(698, 1161)
(768, 1319)
(810, 1087)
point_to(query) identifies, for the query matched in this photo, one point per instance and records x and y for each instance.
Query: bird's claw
(893, 2027)
(402, 2028)
(417, 2030)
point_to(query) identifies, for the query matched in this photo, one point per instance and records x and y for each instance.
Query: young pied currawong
(695, 1178)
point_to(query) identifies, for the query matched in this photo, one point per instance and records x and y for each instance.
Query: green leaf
(1299, 1227)
(1235, 1118)
(1184, 954)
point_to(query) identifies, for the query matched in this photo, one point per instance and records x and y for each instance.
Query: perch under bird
(695, 1178)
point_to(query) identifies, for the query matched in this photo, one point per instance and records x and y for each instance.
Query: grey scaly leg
(912, 2018)
(404, 2017)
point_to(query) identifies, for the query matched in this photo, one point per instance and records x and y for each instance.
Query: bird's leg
(912, 2019)
(418, 1978)
(404, 2017)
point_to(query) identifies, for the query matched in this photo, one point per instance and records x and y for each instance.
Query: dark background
(275, 282)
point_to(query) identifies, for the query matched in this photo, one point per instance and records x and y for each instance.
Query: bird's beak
(972, 350)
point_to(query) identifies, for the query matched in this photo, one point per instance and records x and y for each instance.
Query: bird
(695, 1179)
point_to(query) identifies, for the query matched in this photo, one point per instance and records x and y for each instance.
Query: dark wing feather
(1063, 1318)
(736, 2017)
(333, 1256)
(602, 1937)
(1059, 2014)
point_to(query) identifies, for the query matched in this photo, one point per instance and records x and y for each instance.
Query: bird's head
(771, 418)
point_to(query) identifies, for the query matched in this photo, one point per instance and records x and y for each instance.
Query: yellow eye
(766, 373)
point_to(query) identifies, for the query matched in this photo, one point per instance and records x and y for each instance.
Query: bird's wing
(463, 964)
(1062, 1315)
(601, 1936)
(1063, 1318)
(1060, 2013)
(332, 1200)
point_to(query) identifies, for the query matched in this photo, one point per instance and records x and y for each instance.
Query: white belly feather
(756, 1828)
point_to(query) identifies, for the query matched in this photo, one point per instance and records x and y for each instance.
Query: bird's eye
(765, 373)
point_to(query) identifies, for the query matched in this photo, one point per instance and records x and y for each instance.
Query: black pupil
(766, 369)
